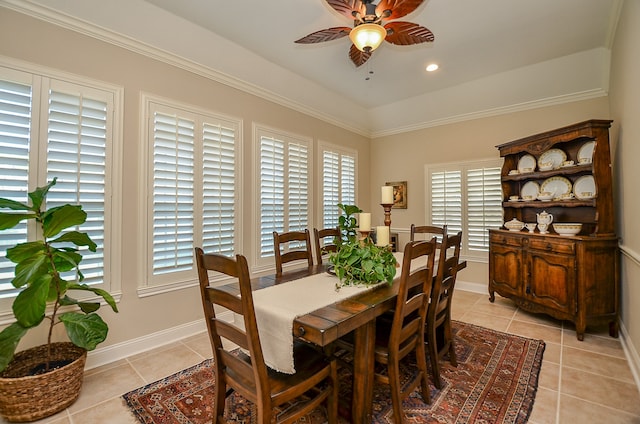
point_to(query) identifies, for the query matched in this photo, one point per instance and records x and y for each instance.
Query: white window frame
(342, 151)
(41, 80)
(267, 263)
(475, 255)
(151, 284)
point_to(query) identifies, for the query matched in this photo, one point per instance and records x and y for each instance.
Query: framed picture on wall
(399, 194)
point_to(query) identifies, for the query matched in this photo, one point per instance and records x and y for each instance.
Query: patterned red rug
(495, 382)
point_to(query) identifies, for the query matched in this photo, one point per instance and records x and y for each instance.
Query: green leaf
(10, 220)
(9, 339)
(30, 304)
(66, 260)
(100, 292)
(12, 204)
(57, 219)
(22, 251)
(77, 238)
(38, 195)
(85, 331)
(30, 269)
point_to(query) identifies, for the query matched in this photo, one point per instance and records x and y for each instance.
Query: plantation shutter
(15, 132)
(271, 192)
(218, 227)
(330, 185)
(77, 157)
(298, 187)
(484, 206)
(446, 199)
(338, 184)
(173, 193)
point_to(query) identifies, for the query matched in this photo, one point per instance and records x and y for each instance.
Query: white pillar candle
(382, 236)
(365, 221)
(387, 195)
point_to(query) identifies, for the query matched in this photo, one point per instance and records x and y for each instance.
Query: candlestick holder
(387, 213)
(364, 234)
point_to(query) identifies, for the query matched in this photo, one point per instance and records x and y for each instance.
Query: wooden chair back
(291, 246)
(247, 374)
(323, 246)
(407, 328)
(427, 232)
(438, 326)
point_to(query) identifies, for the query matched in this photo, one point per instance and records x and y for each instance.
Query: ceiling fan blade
(398, 8)
(406, 33)
(358, 57)
(346, 7)
(324, 35)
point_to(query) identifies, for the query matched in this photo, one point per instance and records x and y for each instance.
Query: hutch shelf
(574, 278)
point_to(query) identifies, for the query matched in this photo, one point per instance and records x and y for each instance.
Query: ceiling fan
(368, 30)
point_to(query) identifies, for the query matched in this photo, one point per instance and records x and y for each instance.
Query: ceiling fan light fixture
(367, 37)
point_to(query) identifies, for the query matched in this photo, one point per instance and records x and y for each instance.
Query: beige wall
(403, 157)
(625, 110)
(53, 47)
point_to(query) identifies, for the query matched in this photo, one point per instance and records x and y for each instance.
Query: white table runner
(277, 306)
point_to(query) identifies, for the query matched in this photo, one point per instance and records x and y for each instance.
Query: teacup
(514, 172)
(584, 160)
(525, 170)
(586, 194)
(566, 196)
(545, 166)
(567, 163)
(543, 228)
(530, 226)
(514, 198)
(545, 195)
(527, 197)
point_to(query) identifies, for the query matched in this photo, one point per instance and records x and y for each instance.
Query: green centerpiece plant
(359, 261)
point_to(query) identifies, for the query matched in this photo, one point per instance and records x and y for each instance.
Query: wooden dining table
(356, 314)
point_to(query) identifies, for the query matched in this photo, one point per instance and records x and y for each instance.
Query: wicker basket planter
(30, 398)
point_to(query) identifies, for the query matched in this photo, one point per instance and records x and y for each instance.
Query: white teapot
(544, 218)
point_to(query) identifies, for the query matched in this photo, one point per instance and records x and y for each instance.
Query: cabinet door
(551, 281)
(505, 269)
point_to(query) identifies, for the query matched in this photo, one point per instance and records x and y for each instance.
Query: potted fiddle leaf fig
(359, 261)
(43, 380)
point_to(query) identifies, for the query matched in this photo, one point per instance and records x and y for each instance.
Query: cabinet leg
(613, 329)
(492, 296)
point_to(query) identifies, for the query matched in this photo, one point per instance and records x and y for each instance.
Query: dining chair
(244, 370)
(438, 334)
(428, 231)
(326, 246)
(404, 333)
(291, 246)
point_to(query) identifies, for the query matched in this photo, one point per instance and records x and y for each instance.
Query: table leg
(363, 367)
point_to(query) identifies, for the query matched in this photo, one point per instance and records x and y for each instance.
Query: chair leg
(421, 360)
(219, 399)
(396, 392)
(448, 335)
(432, 344)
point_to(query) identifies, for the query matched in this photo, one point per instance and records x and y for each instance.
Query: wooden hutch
(573, 278)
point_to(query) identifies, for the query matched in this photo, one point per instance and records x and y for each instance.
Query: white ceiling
(475, 41)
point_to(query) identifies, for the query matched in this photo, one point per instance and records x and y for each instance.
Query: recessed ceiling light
(432, 67)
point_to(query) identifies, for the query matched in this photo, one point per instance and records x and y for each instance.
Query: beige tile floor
(580, 382)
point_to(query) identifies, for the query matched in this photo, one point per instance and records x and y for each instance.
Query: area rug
(495, 382)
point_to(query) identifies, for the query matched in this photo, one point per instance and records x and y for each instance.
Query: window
(338, 182)
(53, 128)
(191, 185)
(284, 191)
(466, 197)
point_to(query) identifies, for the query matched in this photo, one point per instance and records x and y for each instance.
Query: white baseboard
(633, 357)
(103, 356)
(472, 287)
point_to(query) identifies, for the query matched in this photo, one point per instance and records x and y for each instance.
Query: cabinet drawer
(553, 245)
(506, 239)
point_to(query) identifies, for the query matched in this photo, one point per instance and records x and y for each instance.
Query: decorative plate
(531, 188)
(586, 151)
(585, 187)
(555, 156)
(527, 163)
(556, 185)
